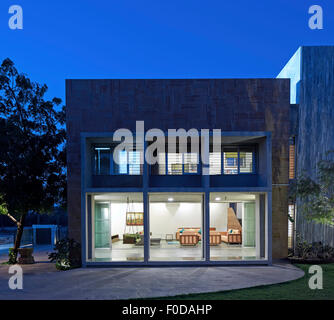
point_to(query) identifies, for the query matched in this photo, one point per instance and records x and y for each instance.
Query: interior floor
(172, 251)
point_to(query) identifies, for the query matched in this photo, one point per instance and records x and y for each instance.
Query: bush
(12, 256)
(67, 255)
(316, 250)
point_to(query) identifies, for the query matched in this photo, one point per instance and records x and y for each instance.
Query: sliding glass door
(176, 226)
(102, 225)
(118, 229)
(249, 224)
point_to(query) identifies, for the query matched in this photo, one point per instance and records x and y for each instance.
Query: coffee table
(169, 237)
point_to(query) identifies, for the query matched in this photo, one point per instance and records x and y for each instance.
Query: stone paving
(42, 280)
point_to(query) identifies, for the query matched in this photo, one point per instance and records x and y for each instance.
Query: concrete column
(206, 227)
(146, 226)
(257, 226)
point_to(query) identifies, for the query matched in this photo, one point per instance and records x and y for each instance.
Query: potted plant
(26, 255)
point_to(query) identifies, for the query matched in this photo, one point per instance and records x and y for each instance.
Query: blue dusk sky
(158, 39)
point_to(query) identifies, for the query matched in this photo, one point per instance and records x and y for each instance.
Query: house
(311, 70)
(141, 192)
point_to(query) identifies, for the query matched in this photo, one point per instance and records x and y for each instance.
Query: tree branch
(13, 219)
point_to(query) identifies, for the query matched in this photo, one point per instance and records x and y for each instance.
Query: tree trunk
(19, 233)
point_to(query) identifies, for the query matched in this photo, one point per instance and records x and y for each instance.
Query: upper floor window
(246, 156)
(125, 162)
(233, 160)
(230, 160)
(176, 164)
(102, 160)
(215, 166)
(292, 170)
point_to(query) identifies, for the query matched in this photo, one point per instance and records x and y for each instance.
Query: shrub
(316, 250)
(11, 256)
(66, 255)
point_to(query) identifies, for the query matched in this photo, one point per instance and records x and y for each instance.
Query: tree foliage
(316, 195)
(32, 140)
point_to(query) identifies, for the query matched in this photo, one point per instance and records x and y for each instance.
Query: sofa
(191, 230)
(189, 238)
(186, 230)
(232, 236)
(215, 238)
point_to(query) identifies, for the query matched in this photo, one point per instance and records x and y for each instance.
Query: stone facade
(226, 104)
(311, 71)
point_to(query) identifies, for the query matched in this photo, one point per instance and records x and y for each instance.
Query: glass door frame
(94, 202)
(147, 230)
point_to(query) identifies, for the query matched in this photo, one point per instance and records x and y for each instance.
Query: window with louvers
(246, 160)
(236, 160)
(230, 160)
(134, 163)
(292, 161)
(174, 161)
(215, 159)
(190, 162)
(121, 163)
(128, 162)
(125, 162)
(162, 163)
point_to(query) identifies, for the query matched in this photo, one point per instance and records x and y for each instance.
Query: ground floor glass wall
(118, 227)
(176, 226)
(237, 226)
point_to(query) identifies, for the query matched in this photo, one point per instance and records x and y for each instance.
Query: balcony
(234, 166)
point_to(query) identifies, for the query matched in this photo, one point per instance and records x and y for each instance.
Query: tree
(316, 195)
(32, 148)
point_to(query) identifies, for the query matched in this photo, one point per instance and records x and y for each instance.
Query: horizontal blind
(246, 162)
(215, 161)
(174, 161)
(121, 162)
(292, 161)
(134, 163)
(230, 161)
(162, 163)
(190, 162)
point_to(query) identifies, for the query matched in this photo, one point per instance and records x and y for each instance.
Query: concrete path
(43, 281)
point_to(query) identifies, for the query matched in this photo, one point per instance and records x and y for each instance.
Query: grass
(292, 290)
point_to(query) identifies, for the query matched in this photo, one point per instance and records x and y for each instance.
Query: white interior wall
(240, 208)
(168, 217)
(218, 216)
(118, 216)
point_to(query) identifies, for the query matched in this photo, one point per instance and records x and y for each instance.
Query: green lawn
(293, 290)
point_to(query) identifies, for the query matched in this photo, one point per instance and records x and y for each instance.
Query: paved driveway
(42, 281)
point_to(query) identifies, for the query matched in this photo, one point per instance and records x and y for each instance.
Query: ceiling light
(170, 199)
(218, 199)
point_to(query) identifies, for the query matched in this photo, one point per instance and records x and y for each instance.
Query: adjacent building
(311, 70)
